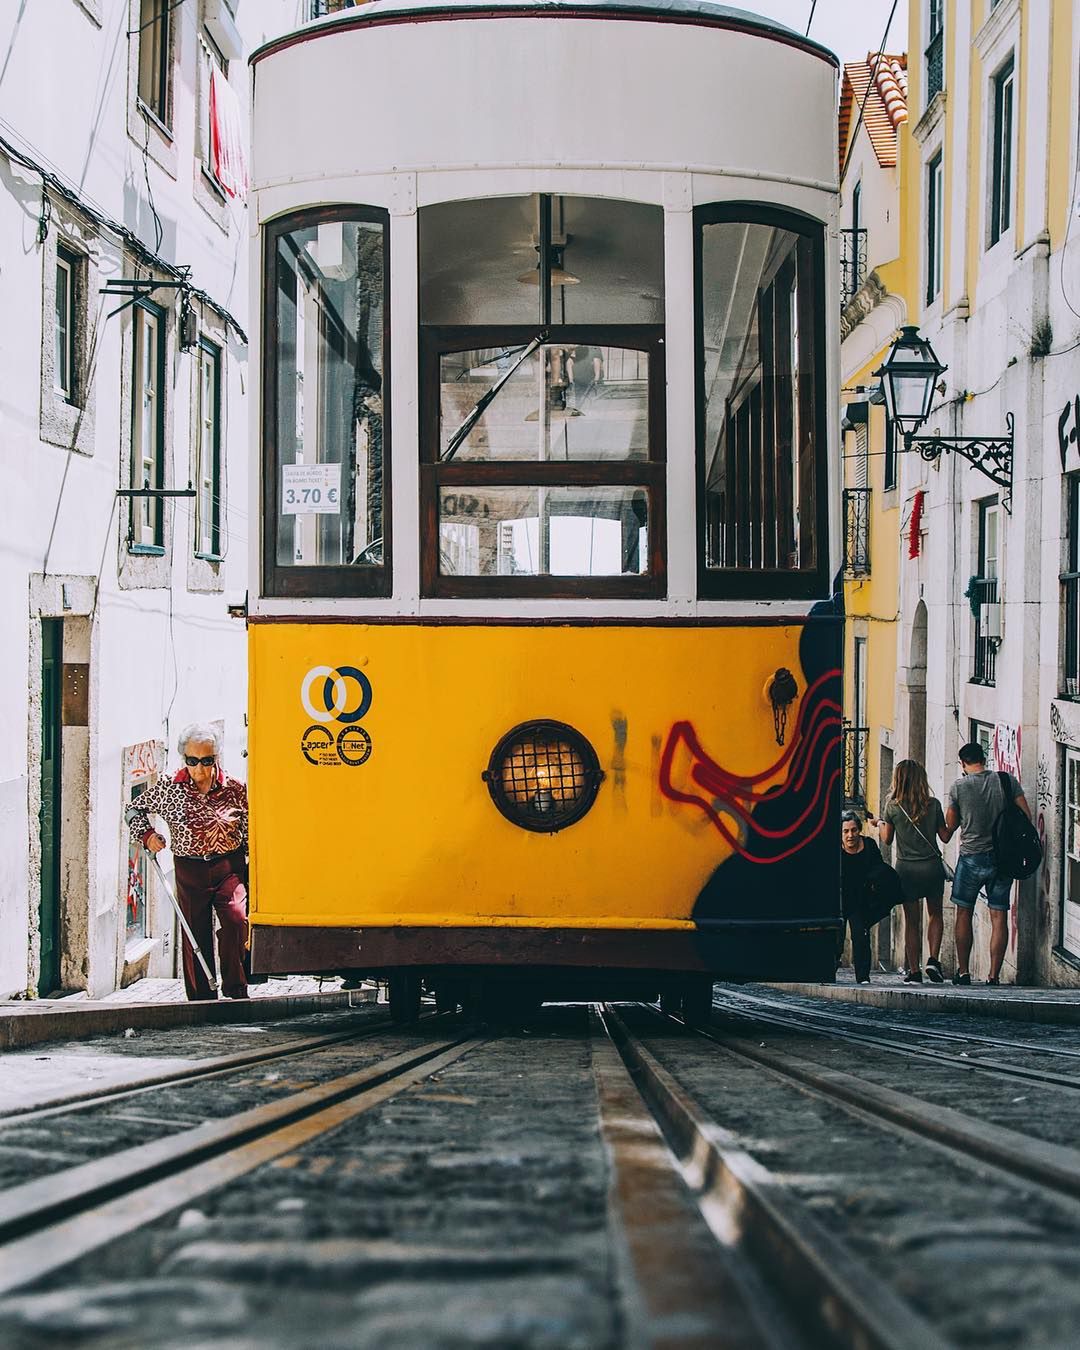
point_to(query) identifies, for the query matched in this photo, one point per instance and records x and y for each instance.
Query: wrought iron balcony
(852, 263)
(1070, 603)
(986, 607)
(857, 531)
(855, 740)
(318, 8)
(935, 65)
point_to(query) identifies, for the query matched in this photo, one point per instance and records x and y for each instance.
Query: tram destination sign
(310, 489)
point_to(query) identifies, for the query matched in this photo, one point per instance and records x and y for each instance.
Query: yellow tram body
(410, 836)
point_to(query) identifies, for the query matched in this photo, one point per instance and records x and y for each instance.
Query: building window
(326, 482)
(1001, 165)
(208, 451)
(1070, 917)
(542, 384)
(982, 734)
(935, 49)
(1070, 592)
(147, 531)
(985, 594)
(155, 56)
(935, 227)
(763, 516)
(890, 462)
(68, 300)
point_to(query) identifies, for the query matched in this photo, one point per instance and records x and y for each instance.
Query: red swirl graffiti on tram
(798, 807)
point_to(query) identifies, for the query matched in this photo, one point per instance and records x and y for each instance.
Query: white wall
(160, 654)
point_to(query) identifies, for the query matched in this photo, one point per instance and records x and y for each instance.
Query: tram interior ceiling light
(543, 776)
(559, 275)
(909, 380)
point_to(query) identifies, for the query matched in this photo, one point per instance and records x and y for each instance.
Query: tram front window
(542, 388)
(761, 329)
(326, 480)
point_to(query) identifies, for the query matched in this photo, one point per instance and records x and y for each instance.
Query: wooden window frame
(338, 580)
(208, 351)
(70, 262)
(649, 473)
(935, 184)
(160, 31)
(753, 582)
(1003, 84)
(160, 319)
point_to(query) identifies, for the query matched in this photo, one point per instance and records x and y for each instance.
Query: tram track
(188, 1072)
(767, 1012)
(51, 1221)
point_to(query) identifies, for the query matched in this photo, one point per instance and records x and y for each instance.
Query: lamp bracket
(991, 455)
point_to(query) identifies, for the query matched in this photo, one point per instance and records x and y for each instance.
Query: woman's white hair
(199, 731)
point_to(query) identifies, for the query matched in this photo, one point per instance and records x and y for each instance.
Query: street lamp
(908, 376)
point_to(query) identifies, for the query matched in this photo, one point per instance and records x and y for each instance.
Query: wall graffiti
(689, 775)
(1005, 748)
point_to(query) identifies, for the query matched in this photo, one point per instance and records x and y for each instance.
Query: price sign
(310, 489)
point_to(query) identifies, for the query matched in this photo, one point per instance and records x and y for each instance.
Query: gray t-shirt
(915, 842)
(977, 799)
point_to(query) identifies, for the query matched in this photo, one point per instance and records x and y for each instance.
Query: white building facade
(123, 364)
(987, 646)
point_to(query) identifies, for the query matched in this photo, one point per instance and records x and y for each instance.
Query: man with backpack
(979, 802)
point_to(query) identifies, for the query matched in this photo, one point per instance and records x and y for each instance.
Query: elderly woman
(207, 816)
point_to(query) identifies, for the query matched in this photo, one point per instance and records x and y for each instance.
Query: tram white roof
(704, 12)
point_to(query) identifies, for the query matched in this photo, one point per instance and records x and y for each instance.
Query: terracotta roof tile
(885, 108)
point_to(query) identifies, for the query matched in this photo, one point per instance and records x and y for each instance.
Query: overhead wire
(866, 92)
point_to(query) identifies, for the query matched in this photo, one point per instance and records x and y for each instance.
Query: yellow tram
(545, 646)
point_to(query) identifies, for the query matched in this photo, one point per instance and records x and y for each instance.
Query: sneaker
(994, 979)
(961, 979)
(933, 971)
(862, 981)
(913, 977)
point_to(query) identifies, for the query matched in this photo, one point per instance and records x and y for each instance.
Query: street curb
(28, 1024)
(961, 1002)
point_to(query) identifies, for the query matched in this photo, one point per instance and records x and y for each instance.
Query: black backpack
(1017, 851)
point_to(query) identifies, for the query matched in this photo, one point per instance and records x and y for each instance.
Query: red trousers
(203, 890)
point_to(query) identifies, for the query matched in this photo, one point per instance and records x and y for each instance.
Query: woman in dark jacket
(859, 857)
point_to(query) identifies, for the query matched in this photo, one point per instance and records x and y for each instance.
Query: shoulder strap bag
(934, 854)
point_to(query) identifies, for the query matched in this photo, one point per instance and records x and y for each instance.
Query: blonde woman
(917, 822)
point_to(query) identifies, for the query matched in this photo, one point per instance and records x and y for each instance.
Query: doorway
(50, 813)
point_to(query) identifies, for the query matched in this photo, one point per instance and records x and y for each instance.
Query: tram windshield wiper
(486, 398)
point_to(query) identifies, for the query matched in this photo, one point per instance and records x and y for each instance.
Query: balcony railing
(857, 531)
(318, 8)
(1070, 603)
(986, 607)
(852, 263)
(935, 65)
(855, 741)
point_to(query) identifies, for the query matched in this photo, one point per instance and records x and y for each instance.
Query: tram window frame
(335, 580)
(774, 583)
(435, 474)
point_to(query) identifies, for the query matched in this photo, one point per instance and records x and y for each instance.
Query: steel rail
(837, 1298)
(992, 1066)
(50, 1221)
(1018, 1155)
(932, 1032)
(192, 1071)
(674, 1287)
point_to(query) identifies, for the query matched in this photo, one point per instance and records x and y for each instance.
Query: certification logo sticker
(326, 695)
(318, 748)
(353, 746)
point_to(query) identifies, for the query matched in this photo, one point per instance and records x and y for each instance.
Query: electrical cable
(866, 93)
(52, 182)
(810, 20)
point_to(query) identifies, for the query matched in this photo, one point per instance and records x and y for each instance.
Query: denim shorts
(975, 871)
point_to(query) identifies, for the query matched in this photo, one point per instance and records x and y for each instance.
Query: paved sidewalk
(1017, 1002)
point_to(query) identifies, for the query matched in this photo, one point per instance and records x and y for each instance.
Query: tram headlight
(543, 776)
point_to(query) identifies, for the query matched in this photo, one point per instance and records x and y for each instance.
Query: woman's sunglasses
(205, 760)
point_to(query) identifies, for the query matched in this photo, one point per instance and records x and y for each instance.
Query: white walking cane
(184, 923)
